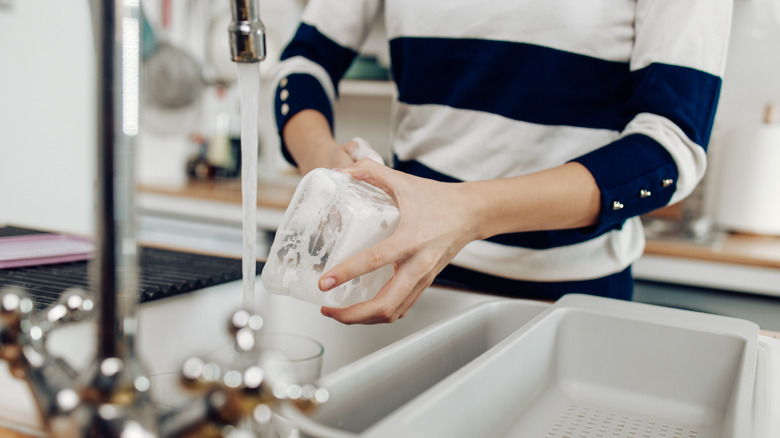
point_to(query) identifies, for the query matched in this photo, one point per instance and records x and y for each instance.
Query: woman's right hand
(311, 144)
(327, 154)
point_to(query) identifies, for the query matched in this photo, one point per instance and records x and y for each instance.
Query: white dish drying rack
(586, 367)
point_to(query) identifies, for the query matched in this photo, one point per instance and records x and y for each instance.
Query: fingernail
(327, 283)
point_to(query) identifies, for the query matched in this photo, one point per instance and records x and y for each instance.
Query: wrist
(311, 143)
(317, 153)
(477, 210)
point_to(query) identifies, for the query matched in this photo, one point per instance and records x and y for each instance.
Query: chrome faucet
(111, 398)
(246, 32)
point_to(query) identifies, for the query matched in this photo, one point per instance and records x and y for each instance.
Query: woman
(527, 137)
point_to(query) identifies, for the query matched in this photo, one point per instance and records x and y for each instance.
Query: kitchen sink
(371, 388)
(177, 328)
(463, 364)
(594, 367)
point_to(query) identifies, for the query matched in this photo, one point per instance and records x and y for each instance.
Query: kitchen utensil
(173, 76)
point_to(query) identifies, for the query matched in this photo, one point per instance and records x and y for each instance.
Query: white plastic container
(331, 217)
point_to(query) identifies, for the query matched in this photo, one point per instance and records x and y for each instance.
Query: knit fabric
(500, 88)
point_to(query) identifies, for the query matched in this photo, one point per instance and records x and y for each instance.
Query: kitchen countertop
(738, 249)
(270, 195)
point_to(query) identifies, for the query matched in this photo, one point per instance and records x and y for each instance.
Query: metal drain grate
(580, 421)
(162, 273)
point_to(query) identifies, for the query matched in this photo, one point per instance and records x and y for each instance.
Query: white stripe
(604, 255)
(689, 33)
(690, 158)
(470, 145)
(299, 64)
(346, 22)
(599, 29)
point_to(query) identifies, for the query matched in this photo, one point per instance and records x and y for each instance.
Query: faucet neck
(246, 32)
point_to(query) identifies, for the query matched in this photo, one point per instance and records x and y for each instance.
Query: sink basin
(465, 365)
(371, 388)
(593, 367)
(174, 329)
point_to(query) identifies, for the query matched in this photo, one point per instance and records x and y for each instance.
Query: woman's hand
(311, 144)
(436, 222)
(439, 219)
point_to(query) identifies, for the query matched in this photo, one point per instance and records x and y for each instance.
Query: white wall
(47, 101)
(47, 109)
(47, 93)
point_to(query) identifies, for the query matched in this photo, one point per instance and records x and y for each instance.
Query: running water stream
(249, 89)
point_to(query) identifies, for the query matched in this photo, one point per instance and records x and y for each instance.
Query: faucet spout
(246, 32)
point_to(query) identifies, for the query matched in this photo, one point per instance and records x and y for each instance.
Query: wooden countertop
(740, 249)
(5, 433)
(271, 195)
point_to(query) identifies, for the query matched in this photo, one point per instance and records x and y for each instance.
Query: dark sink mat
(163, 273)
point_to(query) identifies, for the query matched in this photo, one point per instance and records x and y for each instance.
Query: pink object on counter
(43, 249)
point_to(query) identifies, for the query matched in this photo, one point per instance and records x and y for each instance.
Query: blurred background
(720, 244)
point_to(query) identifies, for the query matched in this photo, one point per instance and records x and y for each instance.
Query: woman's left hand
(436, 223)
(438, 219)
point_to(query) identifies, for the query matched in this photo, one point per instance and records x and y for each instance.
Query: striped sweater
(499, 88)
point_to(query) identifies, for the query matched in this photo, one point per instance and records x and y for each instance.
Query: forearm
(563, 197)
(310, 142)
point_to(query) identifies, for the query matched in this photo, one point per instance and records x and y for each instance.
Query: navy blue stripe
(543, 239)
(685, 96)
(311, 44)
(622, 170)
(519, 81)
(303, 92)
(619, 286)
(548, 86)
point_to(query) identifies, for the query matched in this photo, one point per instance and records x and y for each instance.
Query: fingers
(364, 150)
(390, 304)
(351, 147)
(375, 174)
(382, 254)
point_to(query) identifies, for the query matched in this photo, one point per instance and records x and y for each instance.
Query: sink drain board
(162, 273)
(584, 421)
(556, 415)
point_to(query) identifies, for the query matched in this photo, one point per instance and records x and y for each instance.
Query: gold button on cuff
(616, 205)
(666, 182)
(285, 109)
(644, 193)
(283, 82)
(284, 95)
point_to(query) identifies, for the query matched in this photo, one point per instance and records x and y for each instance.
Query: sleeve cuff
(635, 175)
(295, 93)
